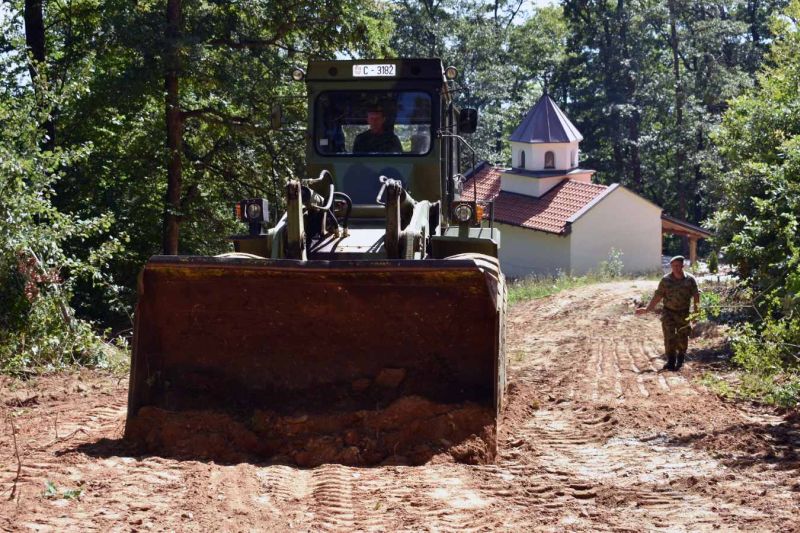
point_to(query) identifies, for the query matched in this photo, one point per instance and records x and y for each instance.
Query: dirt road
(594, 438)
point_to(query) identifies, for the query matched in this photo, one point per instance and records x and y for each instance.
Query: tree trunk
(35, 41)
(752, 9)
(680, 152)
(174, 130)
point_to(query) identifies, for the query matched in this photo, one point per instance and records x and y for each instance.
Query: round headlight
(253, 211)
(450, 72)
(298, 74)
(463, 213)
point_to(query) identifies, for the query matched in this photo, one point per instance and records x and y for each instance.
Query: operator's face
(677, 268)
(376, 120)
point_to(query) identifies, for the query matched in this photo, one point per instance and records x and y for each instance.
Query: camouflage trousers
(676, 331)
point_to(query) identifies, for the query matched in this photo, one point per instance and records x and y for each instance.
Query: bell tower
(544, 151)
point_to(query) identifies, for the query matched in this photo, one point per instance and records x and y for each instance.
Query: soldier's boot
(670, 362)
(679, 361)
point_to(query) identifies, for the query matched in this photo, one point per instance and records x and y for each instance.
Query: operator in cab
(378, 138)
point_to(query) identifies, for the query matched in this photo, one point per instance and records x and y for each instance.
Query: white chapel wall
(536, 187)
(621, 220)
(564, 154)
(525, 252)
(561, 151)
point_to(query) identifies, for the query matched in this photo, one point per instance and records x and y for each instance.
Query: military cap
(677, 258)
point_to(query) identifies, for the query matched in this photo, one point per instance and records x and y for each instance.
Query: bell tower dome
(545, 140)
(544, 151)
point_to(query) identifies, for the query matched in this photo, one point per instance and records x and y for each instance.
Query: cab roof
(405, 69)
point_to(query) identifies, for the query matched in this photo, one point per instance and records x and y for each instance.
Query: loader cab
(376, 118)
(382, 169)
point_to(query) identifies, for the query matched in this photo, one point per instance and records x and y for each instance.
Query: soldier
(677, 289)
(377, 139)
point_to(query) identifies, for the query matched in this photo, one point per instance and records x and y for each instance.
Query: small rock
(297, 419)
(360, 385)
(351, 437)
(80, 387)
(350, 456)
(187, 514)
(22, 399)
(390, 378)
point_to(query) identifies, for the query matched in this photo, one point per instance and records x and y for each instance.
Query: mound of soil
(410, 430)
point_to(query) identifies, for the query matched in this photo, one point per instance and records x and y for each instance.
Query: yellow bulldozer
(365, 324)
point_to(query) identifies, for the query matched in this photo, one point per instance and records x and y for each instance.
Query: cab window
(373, 123)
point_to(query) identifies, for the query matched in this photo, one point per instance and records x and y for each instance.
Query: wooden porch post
(693, 251)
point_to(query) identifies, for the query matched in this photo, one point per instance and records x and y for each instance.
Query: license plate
(362, 71)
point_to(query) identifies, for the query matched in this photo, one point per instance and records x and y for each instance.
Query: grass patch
(535, 287)
(539, 287)
(782, 390)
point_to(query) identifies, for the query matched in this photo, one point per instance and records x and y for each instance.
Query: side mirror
(276, 117)
(467, 120)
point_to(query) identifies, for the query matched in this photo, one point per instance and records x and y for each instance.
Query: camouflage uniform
(368, 142)
(677, 296)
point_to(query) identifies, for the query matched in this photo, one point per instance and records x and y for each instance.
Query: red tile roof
(550, 212)
(486, 182)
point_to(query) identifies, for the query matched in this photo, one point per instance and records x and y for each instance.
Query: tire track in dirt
(617, 373)
(120, 484)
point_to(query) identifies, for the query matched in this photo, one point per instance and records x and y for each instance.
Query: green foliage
(613, 266)
(783, 390)
(646, 84)
(710, 304)
(713, 262)
(505, 61)
(38, 328)
(719, 385)
(759, 195)
(107, 59)
(52, 492)
(758, 221)
(769, 349)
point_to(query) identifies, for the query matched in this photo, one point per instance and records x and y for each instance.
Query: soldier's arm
(657, 297)
(653, 303)
(695, 296)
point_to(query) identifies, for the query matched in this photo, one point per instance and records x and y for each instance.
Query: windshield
(373, 122)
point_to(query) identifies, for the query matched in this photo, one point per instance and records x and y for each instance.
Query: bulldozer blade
(269, 342)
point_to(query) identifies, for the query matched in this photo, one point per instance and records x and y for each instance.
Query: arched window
(522, 159)
(549, 160)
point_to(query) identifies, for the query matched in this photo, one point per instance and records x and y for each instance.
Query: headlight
(451, 73)
(298, 74)
(253, 211)
(463, 213)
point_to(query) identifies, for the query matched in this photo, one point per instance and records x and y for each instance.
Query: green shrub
(613, 267)
(770, 349)
(713, 262)
(38, 328)
(710, 305)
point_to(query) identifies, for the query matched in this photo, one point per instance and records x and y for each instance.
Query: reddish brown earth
(411, 430)
(594, 438)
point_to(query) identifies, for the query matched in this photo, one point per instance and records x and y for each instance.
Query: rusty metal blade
(245, 334)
